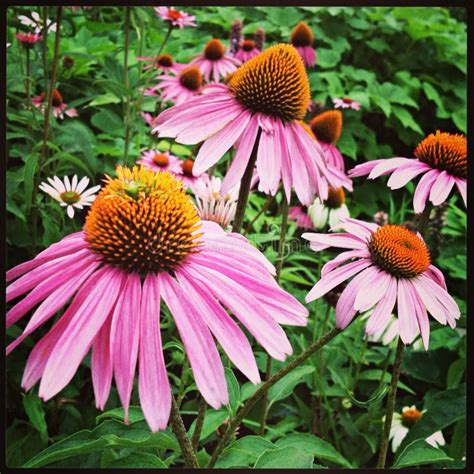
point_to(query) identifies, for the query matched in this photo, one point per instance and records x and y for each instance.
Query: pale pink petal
(421, 316)
(268, 163)
(436, 275)
(381, 316)
(363, 169)
(462, 188)
(341, 258)
(423, 189)
(282, 145)
(441, 188)
(387, 166)
(406, 311)
(404, 174)
(374, 291)
(344, 241)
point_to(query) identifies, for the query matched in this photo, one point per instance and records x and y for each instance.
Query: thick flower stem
(181, 436)
(199, 424)
(392, 395)
(233, 425)
(126, 85)
(245, 187)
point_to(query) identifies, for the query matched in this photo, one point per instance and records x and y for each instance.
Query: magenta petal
(153, 384)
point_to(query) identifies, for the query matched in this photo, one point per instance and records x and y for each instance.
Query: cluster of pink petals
(213, 69)
(172, 89)
(174, 68)
(373, 287)
(58, 110)
(344, 103)
(173, 166)
(333, 156)
(299, 215)
(308, 55)
(286, 152)
(435, 185)
(117, 315)
(28, 38)
(175, 17)
(242, 55)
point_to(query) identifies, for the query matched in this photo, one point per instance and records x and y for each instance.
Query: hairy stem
(181, 436)
(127, 86)
(233, 425)
(199, 424)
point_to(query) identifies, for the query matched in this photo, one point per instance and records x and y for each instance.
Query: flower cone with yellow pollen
(160, 161)
(442, 160)
(143, 243)
(394, 263)
(302, 39)
(266, 97)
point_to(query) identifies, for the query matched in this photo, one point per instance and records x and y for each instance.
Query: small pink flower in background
(247, 51)
(163, 62)
(440, 157)
(345, 103)
(59, 107)
(148, 118)
(187, 176)
(175, 17)
(302, 39)
(299, 214)
(36, 22)
(214, 62)
(143, 246)
(28, 39)
(236, 113)
(161, 161)
(389, 265)
(182, 87)
(70, 193)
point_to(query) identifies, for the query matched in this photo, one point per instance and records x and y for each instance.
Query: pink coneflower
(181, 88)
(345, 103)
(299, 214)
(142, 243)
(161, 161)
(214, 62)
(36, 22)
(440, 157)
(214, 205)
(255, 103)
(332, 211)
(175, 17)
(302, 39)
(28, 39)
(59, 107)
(188, 176)
(390, 264)
(247, 51)
(327, 127)
(163, 62)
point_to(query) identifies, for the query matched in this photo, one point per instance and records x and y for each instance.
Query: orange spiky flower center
(161, 160)
(164, 60)
(174, 14)
(248, 45)
(410, 416)
(327, 126)
(187, 167)
(336, 198)
(444, 151)
(191, 78)
(214, 50)
(399, 251)
(301, 35)
(142, 222)
(273, 83)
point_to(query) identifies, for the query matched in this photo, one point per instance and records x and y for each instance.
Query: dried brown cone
(259, 38)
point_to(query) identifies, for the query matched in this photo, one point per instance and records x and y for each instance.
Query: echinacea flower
(70, 193)
(182, 87)
(327, 127)
(175, 17)
(390, 265)
(333, 210)
(440, 157)
(60, 108)
(345, 103)
(163, 62)
(247, 51)
(262, 104)
(214, 62)
(214, 205)
(188, 176)
(36, 22)
(302, 39)
(299, 214)
(143, 242)
(160, 161)
(401, 424)
(28, 40)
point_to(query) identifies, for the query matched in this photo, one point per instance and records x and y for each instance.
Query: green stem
(264, 409)
(392, 395)
(126, 85)
(44, 47)
(181, 436)
(244, 190)
(233, 425)
(182, 382)
(199, 424)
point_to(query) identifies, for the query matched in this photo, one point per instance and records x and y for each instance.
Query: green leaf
(460, 119)
(233, 388)
(212, 420)
(418, 453)
(15, 210)
(34, 409)
(406, 118)
(244, 452)
(108, 98)
(319, 448)
(108, 122)
(29, 171)
(293, 458)
(66, 158)
(136, 461)
(134, 414)
(455, 372)
(328, 58)
(284, 387)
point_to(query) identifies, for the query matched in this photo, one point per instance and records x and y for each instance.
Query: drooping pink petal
(387, 166)
(441, 188)
(436, 275)
(281, 143)
(200, 347)
(124, 338)
(423, 189)
(404, 174)
(374, 291)
(379, 319)
(153, 384)
(462, 188)
(344, 241)
(268, 163)
(406, 311)
(341, 258)
(421, 316)
(364, 168)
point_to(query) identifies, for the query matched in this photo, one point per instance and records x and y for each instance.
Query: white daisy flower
(401, 424)
(333, 210)
(36, 22)
(70, 193)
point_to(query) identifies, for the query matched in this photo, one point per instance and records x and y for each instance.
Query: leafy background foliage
(407, 67)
